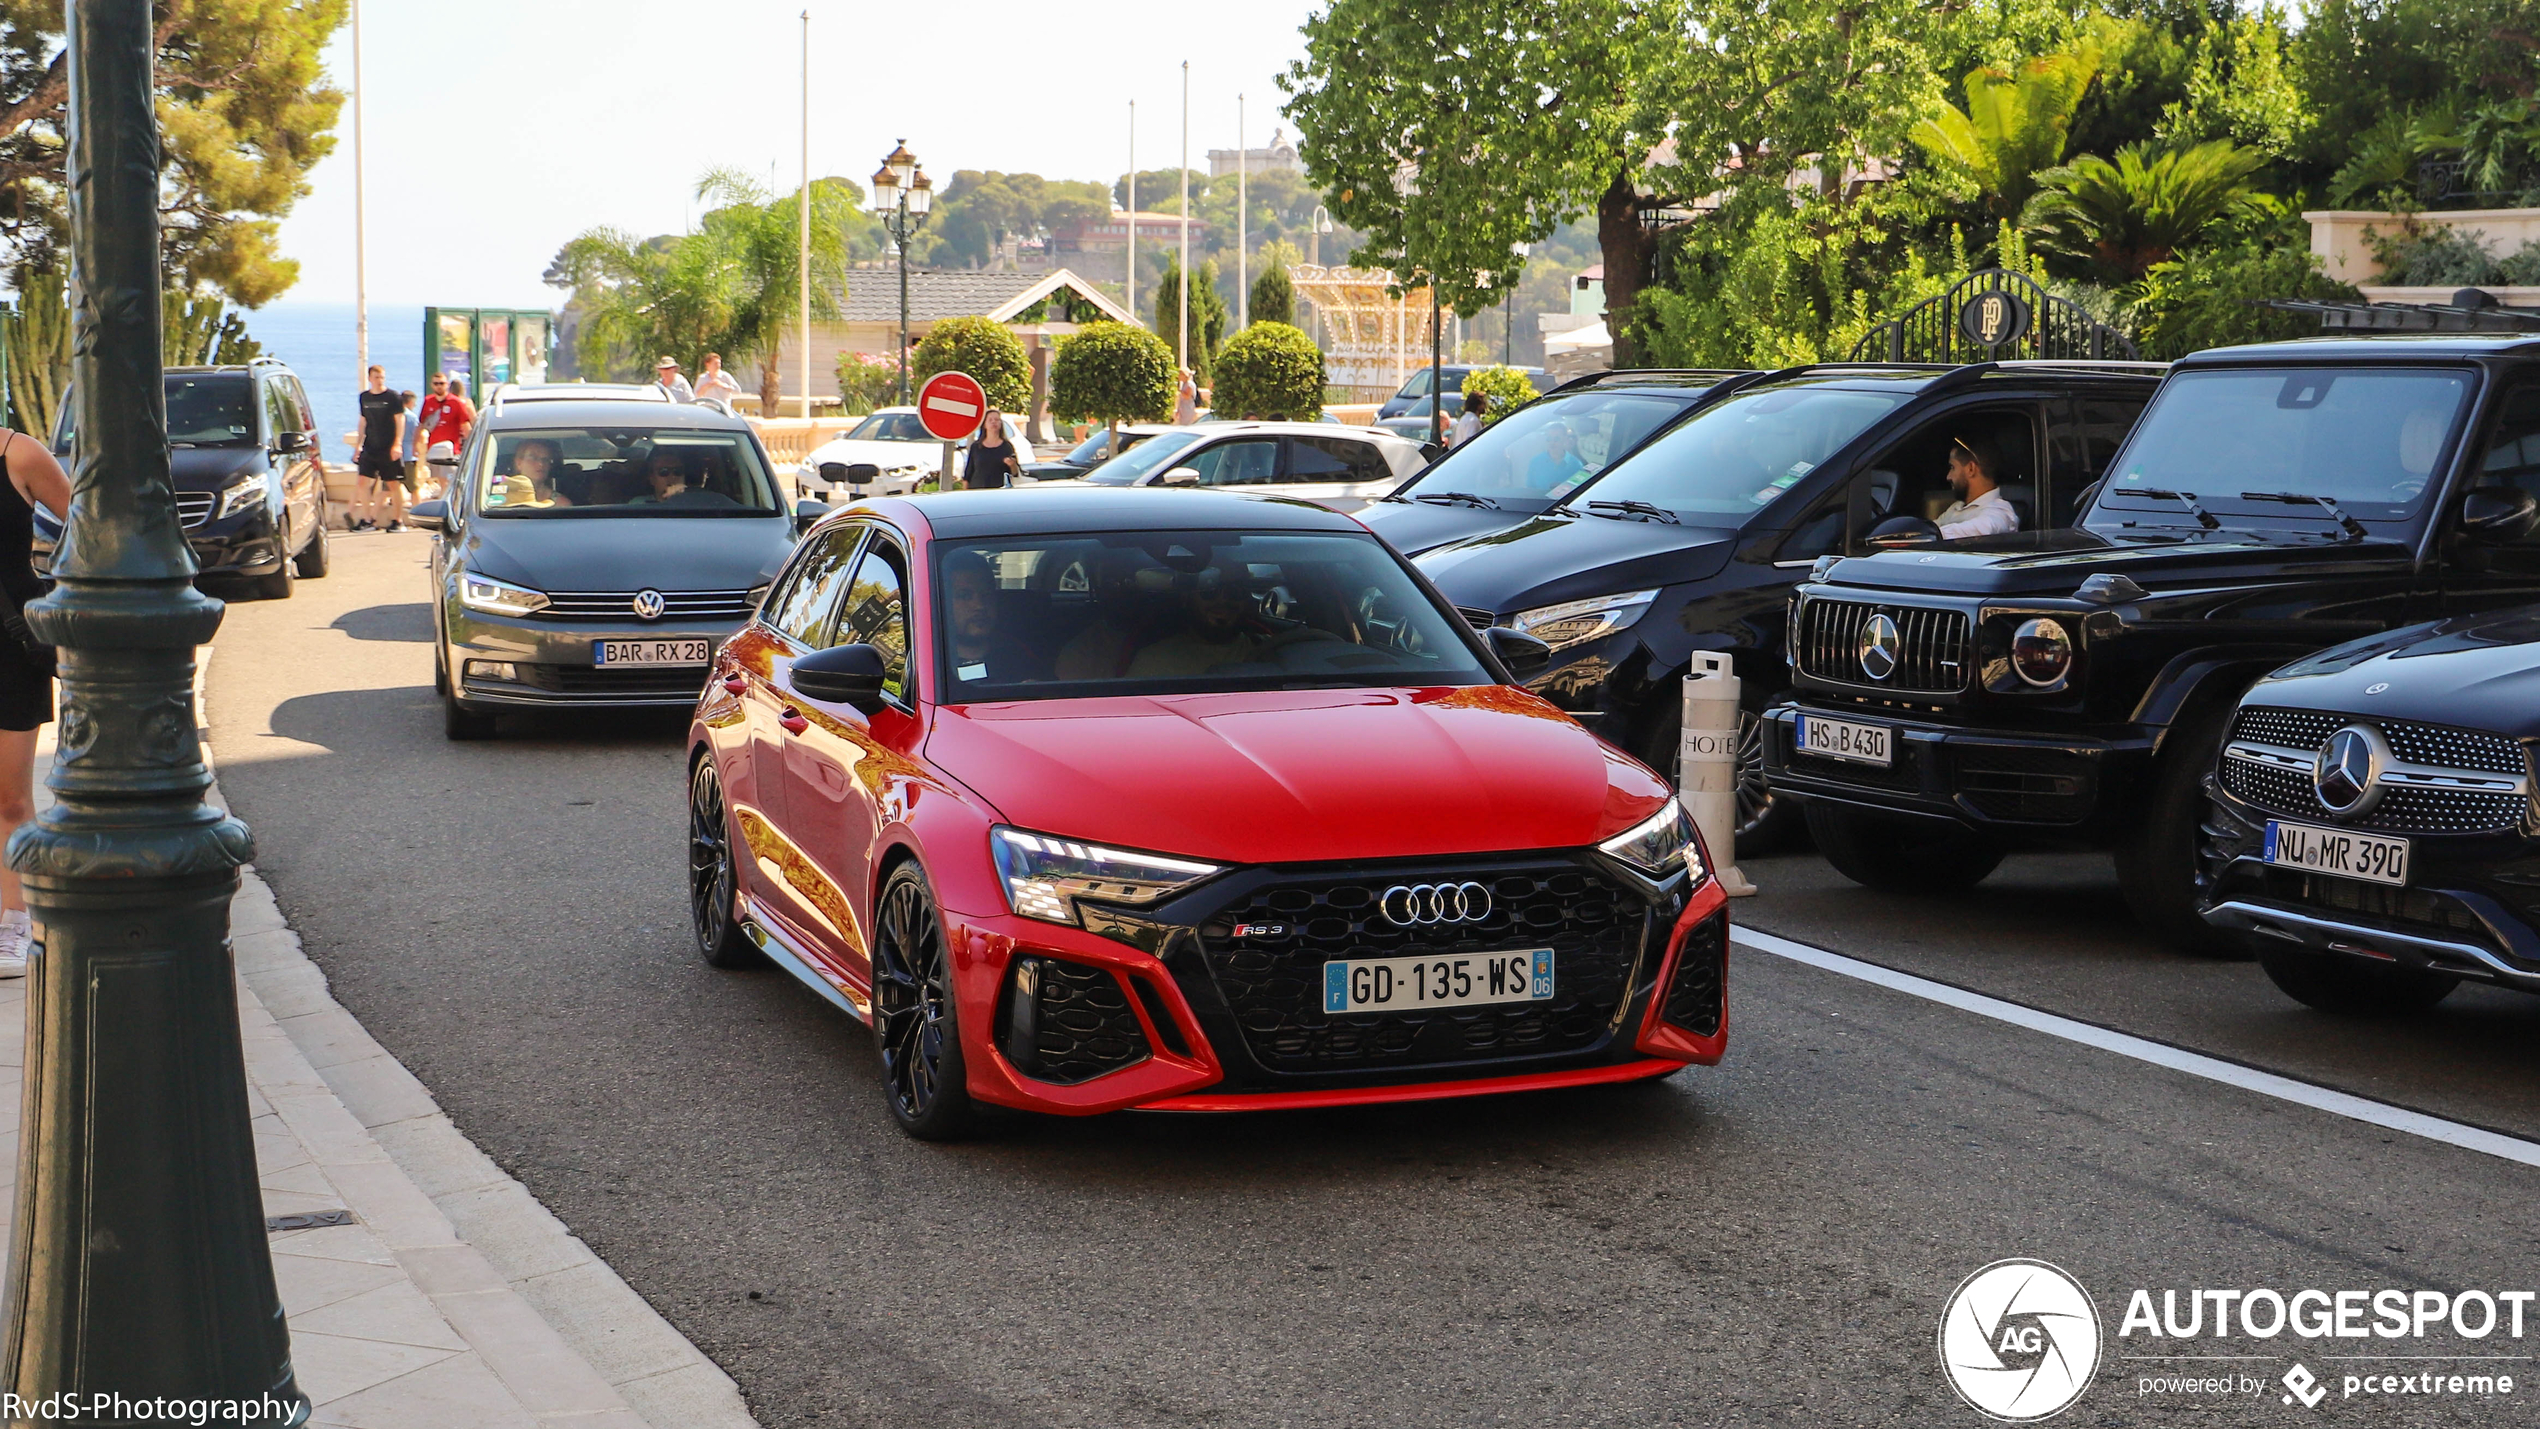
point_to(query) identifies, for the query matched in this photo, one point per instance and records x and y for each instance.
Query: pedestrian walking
(26, 666)
(383, 430)
(666, 377)
(408, 449)
(446, 417)
(1185, 399)
(716, 383)
(1469, 425)
(993, 463)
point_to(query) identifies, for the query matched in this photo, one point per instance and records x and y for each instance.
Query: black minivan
(250, 480)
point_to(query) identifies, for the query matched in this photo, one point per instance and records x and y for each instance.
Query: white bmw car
(892, 440)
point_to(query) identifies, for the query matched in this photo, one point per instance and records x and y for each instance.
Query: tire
(2157, 868)
(916, 1026)
(2353, 987)
(710, 874)
(440, 670)
(1900, 855)
(1767, 820)
(460, 722)
(278, 585)
(314, 557)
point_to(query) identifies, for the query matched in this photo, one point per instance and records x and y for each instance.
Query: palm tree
(2127, 215)
(2013, 126)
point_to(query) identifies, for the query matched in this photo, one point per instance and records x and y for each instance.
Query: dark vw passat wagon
(2371, 835)
(596, 554)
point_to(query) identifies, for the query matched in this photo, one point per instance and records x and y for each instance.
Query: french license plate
(651, 652)
(2341, 852)
(1443, 980)
(1843, 739)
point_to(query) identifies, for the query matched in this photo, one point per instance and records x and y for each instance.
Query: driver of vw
(1981, 509)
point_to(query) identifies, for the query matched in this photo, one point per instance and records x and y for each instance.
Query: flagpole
(1183, 304)
(1243, 221)
(802, 270)
(1131, 272)
(361, 223)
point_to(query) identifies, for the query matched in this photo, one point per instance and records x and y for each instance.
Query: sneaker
(396, 525)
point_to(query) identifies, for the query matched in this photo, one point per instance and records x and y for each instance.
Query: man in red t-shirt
(446, 416)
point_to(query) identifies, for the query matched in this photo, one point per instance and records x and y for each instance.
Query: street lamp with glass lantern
(902, 197)
(1318, 226)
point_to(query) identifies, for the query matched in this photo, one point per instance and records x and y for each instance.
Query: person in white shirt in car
(1981, 509)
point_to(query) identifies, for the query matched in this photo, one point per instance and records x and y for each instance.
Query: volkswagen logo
(2347, 773)
(1420, 905)
(1879, 644)
(648, 605)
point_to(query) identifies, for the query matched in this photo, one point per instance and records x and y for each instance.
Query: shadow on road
(388, 622)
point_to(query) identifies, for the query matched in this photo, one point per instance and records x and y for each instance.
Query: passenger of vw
(532, 481)
(981, 651)
(1213, 631)
(1975, 476)
(1557, 462)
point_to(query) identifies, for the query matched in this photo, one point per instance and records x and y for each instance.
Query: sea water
(317, 340)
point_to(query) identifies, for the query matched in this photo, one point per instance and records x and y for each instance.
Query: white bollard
(1706, 764)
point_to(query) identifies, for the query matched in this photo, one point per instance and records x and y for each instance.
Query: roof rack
(2471, 310)
(2119, 365)
(1640, 374)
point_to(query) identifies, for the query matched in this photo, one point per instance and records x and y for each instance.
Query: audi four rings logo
(648, 605)
(1419, 905)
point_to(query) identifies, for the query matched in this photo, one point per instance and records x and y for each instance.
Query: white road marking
(2158, 1054)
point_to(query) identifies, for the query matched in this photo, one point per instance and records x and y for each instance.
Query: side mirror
(841, 675)
(428, 515)
(293, 441)
(1899, 533)
(441, 461)
(1524, 655)
(1179, 476)
(807, 513)
(2498, 515)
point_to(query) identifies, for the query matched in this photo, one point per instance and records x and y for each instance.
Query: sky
(498, 129)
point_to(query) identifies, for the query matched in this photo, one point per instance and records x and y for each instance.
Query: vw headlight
(498, 597)
(1658, 843)
(2041, 652)
(1044, 875)
(1572, 622)
(250, 491)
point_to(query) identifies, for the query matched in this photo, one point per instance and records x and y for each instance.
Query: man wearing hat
(666, 377)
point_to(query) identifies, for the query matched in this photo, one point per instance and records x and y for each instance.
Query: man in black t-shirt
(383, 431)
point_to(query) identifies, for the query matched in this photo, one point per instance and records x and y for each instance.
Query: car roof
(611, 413)
(1300, 429)
(580, 392)
(966, 515)
(2373, 346)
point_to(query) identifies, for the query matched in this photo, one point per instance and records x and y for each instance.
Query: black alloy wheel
(2352, 987)
(2158, 868)
(914, 1023)
(710, 877)
(278, 585)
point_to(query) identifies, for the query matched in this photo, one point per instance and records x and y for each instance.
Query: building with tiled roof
(1040, 308)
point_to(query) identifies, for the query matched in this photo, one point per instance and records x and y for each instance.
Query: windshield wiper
(1633, 511)
(2354, 529)
(1458, 498)
(2187, 499)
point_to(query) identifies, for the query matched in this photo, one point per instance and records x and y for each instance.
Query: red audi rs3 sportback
(1188, 801)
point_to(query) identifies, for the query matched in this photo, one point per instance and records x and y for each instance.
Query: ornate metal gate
(1991, 315)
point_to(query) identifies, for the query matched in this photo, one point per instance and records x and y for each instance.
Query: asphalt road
(1767, 1242)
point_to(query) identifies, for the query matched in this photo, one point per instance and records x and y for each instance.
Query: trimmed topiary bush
(984, 349)
(1269, 370)
(1112, 373)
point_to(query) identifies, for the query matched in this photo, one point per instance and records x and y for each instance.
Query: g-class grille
(1273, 981)
(1931, 648)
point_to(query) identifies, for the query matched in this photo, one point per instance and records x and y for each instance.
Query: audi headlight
(1044, 875)
(1658, 843)
(1572, 622)
(248, 492)
(2041, 652)
(498, 597)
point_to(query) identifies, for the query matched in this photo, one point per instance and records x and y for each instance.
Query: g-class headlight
(498, 597)
(249, 491)
(2042, 652)
(1658, 843)
(1044, 874)
(1573, 622)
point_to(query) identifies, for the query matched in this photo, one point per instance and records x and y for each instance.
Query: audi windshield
(623, 471)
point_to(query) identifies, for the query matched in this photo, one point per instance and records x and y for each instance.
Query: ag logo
(2019, 1341)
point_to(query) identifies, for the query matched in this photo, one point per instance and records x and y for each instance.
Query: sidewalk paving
(452, 1299)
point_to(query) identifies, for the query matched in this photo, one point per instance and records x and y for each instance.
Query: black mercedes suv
(1982, 696)
(250, 479)
(1693, 541)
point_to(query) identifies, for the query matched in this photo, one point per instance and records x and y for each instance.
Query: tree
(1270, 370)
(978, 211)
(244, 113)
(1208, 315)
(1273, 296)
(197, 328)
(39, 351)
(1506, 387)
(983, 348)
(2014, 125)
(2125, 216)
(1111, 372)
(2215, 296)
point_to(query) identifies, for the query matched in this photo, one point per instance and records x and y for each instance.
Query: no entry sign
(951, 404)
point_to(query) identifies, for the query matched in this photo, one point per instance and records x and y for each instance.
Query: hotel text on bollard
(1706, 763)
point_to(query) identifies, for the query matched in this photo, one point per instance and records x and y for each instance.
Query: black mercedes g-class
(1964, 700)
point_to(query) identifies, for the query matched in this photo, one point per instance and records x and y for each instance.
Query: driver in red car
(979, 650)
(1213, 631)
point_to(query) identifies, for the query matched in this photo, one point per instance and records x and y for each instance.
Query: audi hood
(1311, 776)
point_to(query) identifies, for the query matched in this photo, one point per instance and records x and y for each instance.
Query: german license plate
(651, 652)
(1442, 980)
(2341, 852)
(1843, 739)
